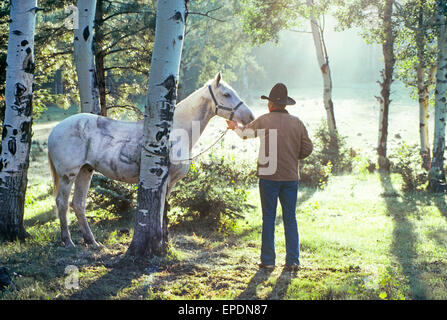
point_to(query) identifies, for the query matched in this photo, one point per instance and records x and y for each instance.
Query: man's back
(292, 144)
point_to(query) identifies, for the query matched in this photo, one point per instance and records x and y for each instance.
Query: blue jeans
(287, 192)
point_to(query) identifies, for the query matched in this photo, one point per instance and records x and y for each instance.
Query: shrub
(213, 192)
(327, 154)
(407, 161)
(113, 196)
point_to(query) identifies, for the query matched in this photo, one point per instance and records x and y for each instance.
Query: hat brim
(289, 102)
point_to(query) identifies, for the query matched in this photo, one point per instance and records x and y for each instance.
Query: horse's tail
(54, 176)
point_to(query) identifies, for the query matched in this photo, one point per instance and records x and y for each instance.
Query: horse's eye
(227, 95)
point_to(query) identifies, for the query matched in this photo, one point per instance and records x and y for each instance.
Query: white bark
(437, 174)
(84, 58)
(16, 130)
(161, 98)
(423, 116)
(323, 62)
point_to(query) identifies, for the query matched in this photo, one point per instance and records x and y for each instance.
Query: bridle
(219, 106)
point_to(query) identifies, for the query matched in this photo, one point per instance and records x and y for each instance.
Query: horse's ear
(218, 78)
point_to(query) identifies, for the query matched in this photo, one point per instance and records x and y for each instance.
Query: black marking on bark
(177, 16)
(180, 37)
(443, 100)
(17, 32)
(24, 43)
(169, 84)
(76, 38)
(14, 132)
(161, 134)
(158, 171)
(1, 165)
(5, 132)
(20, 89)
(25, 128)
(23, 105)
(166, 114)
(28, 63)
(12, 145)
(86, 33)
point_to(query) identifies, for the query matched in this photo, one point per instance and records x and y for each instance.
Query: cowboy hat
(279, 95)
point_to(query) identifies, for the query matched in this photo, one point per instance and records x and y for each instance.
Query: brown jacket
(292, 144)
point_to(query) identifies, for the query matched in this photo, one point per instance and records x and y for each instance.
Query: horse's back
(107, 145)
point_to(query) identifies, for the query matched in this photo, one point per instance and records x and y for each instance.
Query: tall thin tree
(323, 62)
(84, 57)
(16, 130)
(149, 236)
(437, 172)
(385, 84)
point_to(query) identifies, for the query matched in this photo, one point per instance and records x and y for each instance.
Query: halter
(219, 106)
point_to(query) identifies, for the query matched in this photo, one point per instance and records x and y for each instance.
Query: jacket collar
(280, 111)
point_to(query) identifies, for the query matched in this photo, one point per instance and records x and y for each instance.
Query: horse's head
(226, 102)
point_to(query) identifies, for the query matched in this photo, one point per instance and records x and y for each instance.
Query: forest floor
(361, 237)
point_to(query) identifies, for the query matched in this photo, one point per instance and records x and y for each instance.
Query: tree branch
(207, 14)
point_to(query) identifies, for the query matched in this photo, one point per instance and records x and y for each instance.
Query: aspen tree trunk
(149, 236)
(423, 97)
(323, 61)
(16, 130)
(100, 56)
(84, 59)
(437, 173)
(387, 79)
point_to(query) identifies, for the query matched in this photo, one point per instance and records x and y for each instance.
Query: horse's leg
(62, 207)
(82, 184)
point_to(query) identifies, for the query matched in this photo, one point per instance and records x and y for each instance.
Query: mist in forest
(293, 60)
(355, 69)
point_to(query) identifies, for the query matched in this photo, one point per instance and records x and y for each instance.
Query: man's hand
(232, 124)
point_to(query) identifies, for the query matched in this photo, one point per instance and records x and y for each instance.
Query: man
(284, 141)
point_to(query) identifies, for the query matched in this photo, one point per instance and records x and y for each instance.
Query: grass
(361, 237)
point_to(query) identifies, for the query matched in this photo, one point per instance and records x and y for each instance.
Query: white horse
(85, 142)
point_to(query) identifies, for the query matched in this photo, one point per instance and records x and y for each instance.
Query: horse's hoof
(95, 245)
(69, 245)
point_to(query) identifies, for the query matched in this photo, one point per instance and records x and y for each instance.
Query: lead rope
(218, 106)
(194, 157)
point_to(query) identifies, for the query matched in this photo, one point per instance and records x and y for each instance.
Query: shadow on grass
(404, 237)
(250, 292)
(281, 286)
(41, 218)
(119, 276)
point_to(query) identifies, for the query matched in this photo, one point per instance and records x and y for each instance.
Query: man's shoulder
(295, 119)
